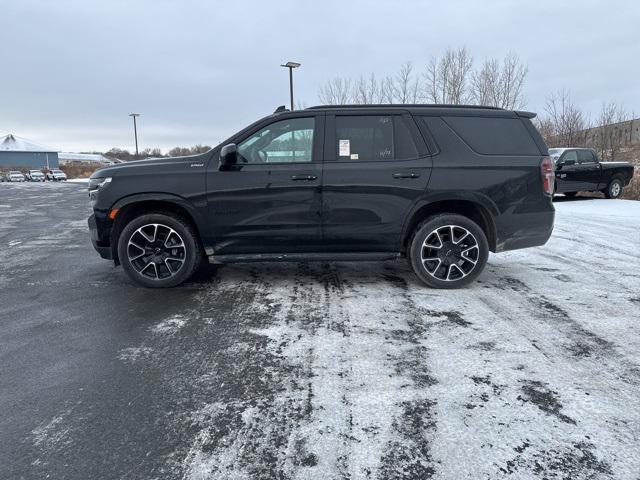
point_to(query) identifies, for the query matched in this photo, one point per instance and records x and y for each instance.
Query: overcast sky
(71, 71)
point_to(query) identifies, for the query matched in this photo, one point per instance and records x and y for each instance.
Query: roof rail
(280, 109)
(402, 105)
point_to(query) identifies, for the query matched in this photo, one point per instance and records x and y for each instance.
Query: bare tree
(547, 130)
(366, 91)
(406, 88)
(608, 135)
(499, 84)
(447, 78)
(336, 91)
(570, 124)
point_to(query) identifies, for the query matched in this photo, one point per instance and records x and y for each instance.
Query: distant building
(20, 152)
(68, 157)
(626, 133)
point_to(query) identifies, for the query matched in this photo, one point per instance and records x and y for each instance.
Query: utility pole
(291, 66)
(135, 130)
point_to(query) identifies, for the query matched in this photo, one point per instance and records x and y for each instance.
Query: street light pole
(291, 66)
(135, 130)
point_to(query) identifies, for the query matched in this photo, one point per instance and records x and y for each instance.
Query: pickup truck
(580, 170)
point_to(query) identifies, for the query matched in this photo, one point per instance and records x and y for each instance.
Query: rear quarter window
(494, 135)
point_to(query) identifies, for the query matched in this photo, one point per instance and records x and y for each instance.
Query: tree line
(125, 155)
(453, 78)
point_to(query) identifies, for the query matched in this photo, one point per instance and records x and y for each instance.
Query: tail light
(546, 170)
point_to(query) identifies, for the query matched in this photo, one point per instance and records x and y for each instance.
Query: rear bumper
(100, 244)
(525, 230)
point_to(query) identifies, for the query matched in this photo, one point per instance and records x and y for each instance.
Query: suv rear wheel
(159, 250)
(448, 251)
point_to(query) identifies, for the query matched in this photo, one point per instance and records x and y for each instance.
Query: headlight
(98, 183)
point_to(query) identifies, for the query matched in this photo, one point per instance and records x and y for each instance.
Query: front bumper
(103, 248)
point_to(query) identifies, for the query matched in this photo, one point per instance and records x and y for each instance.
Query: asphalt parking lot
(346, 370)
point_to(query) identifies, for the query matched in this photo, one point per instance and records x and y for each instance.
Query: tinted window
(494, 136)
(585, 156)
(373, 138)
(570, 155)
(285, 141)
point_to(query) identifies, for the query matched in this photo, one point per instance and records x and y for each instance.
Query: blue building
(19, 152)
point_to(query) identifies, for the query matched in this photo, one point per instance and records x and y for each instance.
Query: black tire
(570, 194)
(614, 189)
(175, 256)
(467, 265)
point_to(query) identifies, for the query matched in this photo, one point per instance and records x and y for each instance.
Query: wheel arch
(481, 214)
(134, 206)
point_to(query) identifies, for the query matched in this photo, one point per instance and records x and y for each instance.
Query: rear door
(271, 201)
(376, 167)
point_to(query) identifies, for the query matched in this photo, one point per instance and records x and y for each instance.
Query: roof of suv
(432, 108)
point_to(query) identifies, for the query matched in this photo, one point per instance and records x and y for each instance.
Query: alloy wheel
(156, 251)
(450, 253)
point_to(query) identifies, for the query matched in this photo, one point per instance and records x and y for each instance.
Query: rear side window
(373, 138)
(570, 155)
(586, 156)
(494, 135)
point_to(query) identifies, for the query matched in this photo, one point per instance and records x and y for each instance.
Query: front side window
(373, 138)
(286, 141)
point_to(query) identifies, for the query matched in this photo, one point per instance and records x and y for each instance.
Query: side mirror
(228, 156)
(568, 162)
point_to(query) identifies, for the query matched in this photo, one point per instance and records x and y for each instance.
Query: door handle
(307, 178)
(406, 175)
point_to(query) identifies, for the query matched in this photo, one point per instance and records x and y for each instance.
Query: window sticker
(354, 156)
(344, 149)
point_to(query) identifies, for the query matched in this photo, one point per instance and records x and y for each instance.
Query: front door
(589, 169)
(270, 202)
(376, 166)
(568, 176)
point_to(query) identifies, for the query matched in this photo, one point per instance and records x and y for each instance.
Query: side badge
(197, 164)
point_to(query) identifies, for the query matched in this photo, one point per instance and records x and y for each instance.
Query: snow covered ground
(355, 370)
(532, 372)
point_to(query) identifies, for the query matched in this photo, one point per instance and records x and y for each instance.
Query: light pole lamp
(291, 66)
(135, 130)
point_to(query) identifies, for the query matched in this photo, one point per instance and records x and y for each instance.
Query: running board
(303, 257)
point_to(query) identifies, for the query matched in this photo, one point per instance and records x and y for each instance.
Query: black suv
(441, 185)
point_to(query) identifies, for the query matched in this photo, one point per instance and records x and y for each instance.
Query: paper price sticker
(344, 148)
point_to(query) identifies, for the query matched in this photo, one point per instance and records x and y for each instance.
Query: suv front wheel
(159, 250)
(448, 251)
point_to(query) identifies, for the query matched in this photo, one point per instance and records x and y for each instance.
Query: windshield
(14, 173)
(57, 171)
(35, 172)
(555, 153)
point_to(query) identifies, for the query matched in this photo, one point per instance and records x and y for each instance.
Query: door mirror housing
(228, 156)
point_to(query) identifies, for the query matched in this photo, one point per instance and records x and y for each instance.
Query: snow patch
(133, 354)
(170, 325)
